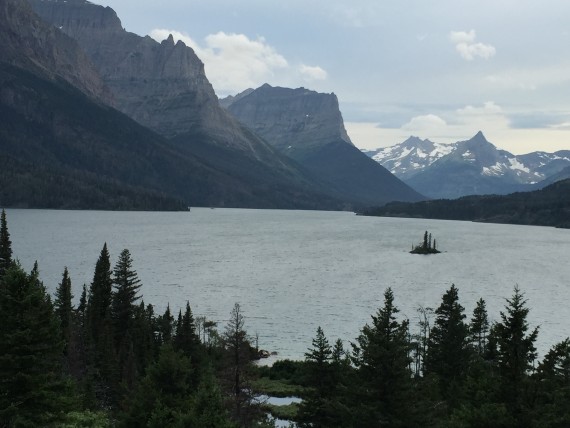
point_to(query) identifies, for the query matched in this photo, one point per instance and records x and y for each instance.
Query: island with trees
(427, 246)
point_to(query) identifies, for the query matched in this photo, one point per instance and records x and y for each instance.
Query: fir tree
(447, 354)
(5, 245)
(126, 286)
(479, 328)
(381, 356)
(516, 354)
(186, 339)
(33, 392)
(100, 293)
(64, 307)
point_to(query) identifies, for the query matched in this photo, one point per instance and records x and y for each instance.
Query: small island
(425, 247)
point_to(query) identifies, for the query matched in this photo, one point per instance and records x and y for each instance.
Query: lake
(292, 271)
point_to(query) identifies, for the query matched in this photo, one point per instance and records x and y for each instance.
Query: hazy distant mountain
(546, 207)
(467, 167)
(307, 126)
(410, 157)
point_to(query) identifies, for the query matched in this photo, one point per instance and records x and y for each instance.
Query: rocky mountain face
(307, 126)
(161, 85)
(61, 146)
(27, 42)
(474, 166)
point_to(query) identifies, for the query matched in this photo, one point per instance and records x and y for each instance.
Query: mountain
(62, 146)
(164, 88)
(410, 157)
(467, 167)
(546, 207)
(307, 126)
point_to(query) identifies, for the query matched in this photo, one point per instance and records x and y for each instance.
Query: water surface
(292, 271)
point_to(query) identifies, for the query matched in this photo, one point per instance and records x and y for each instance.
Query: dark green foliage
(64, 307)
(479, 328)
(126, 286)
(33, 390)
(426, 247)
(448, 354)
(546, 207)
(382, 359)
(164, 393)
(100, 291)
(186, 338)
(516, 354)
(5, 245)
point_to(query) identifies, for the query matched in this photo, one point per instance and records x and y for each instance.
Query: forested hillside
(547, 207)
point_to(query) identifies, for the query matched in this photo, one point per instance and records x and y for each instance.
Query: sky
(439, 69)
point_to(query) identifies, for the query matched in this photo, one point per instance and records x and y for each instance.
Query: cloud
(232, 61)
(311, 73)
(465, 44)
(428, 123)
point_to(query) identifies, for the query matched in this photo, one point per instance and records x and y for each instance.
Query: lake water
(292, 271)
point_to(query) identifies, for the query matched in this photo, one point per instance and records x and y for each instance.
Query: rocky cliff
(161, 85)
(308, 127)
(296, 121)
(26, 41)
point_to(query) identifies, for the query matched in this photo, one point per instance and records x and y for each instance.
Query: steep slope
(546, 207)
(26, 42)
(62, 147)
(307, 126)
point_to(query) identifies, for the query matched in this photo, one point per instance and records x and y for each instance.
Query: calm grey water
(292, 271)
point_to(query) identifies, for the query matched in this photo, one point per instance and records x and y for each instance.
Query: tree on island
(428, 246)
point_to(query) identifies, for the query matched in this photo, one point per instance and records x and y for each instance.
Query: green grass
(288, 412)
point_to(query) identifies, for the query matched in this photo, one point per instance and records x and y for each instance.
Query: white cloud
(428, 123)
(232, 62)
(311, 73)
(465, 44)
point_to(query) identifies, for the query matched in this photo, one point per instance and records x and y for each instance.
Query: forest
(112, 361)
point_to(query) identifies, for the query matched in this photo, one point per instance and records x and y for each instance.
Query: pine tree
(126, 286)
(5, 245)
(166, 326)
(479, 328)
(516, 354)
(33, 392)
(64, 307)
(448, 355)
(243, 406)
(186, 339)
(100, 293)
(381, 356)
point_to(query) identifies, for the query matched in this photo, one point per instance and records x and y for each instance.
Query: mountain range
(474, 166)
(91, 111)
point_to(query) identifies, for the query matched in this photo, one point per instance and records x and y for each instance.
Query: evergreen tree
(516, 355)
(448, 355)
(166, 326)
(33, 392)
(243, 407)
(381, 356)
(126, 286)
(479, 328)
(100, 293)
(64, 307)
(5, 245)
(186, 339)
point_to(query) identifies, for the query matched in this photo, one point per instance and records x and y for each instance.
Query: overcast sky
(439, 69)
